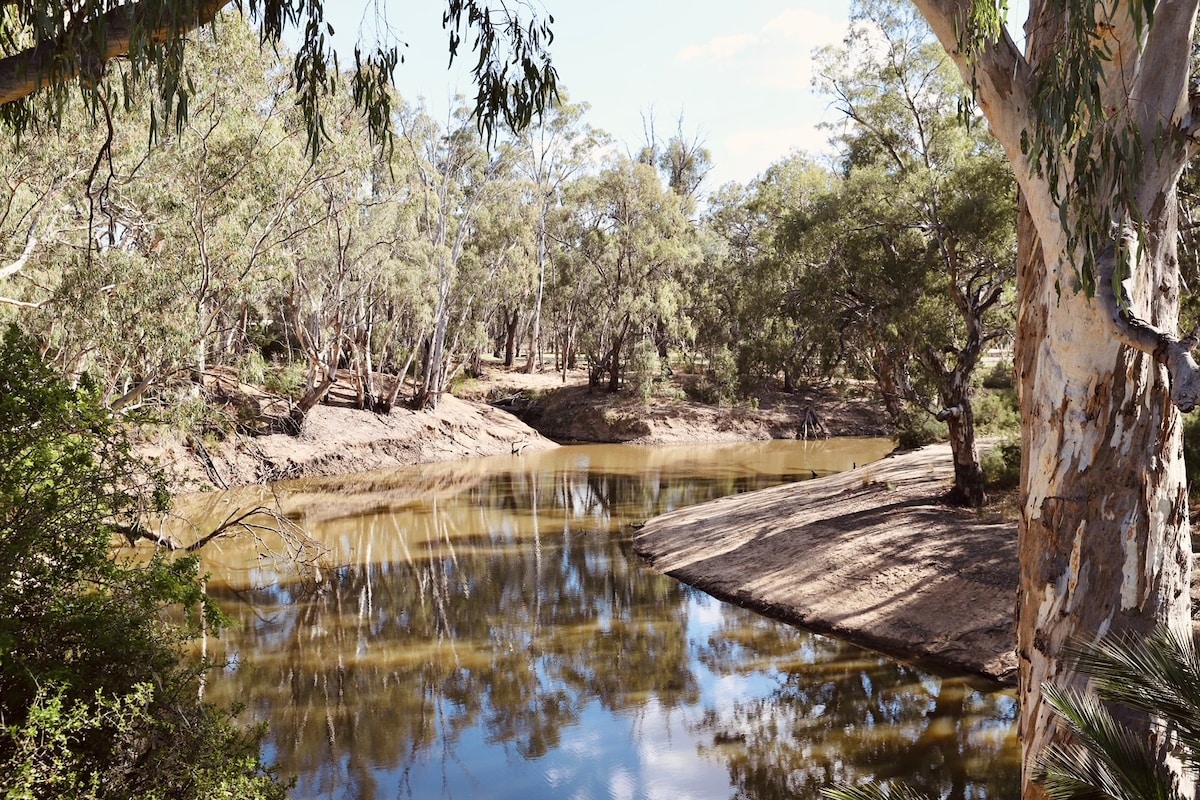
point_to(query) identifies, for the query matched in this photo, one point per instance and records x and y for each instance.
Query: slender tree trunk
(432, 386)
(535, 329)
(614, 359)
(511, 321)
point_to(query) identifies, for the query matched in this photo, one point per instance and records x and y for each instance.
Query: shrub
(1002, 465)
(719, 384)
(252, 368)
(96, 697)
(643, 370)
(1000, 376)
(916, 428)
(996, 412)
(286, 380)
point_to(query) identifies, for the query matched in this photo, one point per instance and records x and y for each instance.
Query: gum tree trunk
(1104, 538)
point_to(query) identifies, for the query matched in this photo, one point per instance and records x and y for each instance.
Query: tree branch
(1160, 91)
(31, 241)
(1166, 349)
(66, 57)
(996, 71)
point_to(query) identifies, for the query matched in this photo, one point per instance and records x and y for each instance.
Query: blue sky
(737, 74)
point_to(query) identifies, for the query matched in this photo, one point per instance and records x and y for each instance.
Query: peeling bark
(1104, 536)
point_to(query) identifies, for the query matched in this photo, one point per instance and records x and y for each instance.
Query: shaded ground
(869, 555)
(571, 412)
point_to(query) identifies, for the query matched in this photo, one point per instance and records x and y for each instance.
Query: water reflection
(484, 630)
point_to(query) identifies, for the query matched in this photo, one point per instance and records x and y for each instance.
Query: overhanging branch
(1174, 353)
(64, 58)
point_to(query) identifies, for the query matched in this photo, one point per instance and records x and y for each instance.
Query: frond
(1104, 759)
(874, 791)
(1159, 675)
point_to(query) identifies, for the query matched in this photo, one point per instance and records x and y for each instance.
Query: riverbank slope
(870, 555)
(503, 411)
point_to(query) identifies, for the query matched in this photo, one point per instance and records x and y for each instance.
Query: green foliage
(1000, 376)
(916, 428)
(996, 412)
(252, 368)
(96, 699)
(196, 416)
(718, 385)
(1002, 465)
(643, 370)
(64, 40)
(286, 380)
(1158, 676)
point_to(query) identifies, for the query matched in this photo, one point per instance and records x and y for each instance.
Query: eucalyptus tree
(504, 274)
(1098, 118)
(682, 160)
(549, 155)
(631, 245)
(758, 302)
(927, 222)
(340, 262)
(452, 177)
(46, 46)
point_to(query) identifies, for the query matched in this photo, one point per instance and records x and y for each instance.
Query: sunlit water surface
(483, 629)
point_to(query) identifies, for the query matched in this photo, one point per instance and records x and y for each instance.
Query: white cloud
(750, 151)
(785, 61)
(719, 48)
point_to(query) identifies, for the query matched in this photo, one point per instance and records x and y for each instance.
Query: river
(483, 629)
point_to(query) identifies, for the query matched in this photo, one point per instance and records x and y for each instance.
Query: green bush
(252, 368)
(1000, 376)
(916, 428)
(286, 380)
(996, 412)
(1002, 465)
(643, 370)
(719, 384)
(96, 698)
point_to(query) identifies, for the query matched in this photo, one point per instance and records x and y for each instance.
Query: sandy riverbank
(869, 555)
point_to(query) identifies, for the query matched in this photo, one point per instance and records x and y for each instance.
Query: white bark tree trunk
(1104, 533)
(1105, 543)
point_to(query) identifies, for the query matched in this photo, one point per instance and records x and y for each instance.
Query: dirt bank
(481, 421)
(869, 555)
(339, 441)
(571, 412)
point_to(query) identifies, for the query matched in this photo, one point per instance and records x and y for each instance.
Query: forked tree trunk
(1104, 538)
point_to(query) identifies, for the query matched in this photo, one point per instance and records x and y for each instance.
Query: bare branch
(996, 71)
(12, 301)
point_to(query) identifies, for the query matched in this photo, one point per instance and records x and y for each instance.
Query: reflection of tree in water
(835, 717)
(500, 616)
(488, 624)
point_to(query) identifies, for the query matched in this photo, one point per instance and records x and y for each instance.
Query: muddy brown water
(483, 629)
